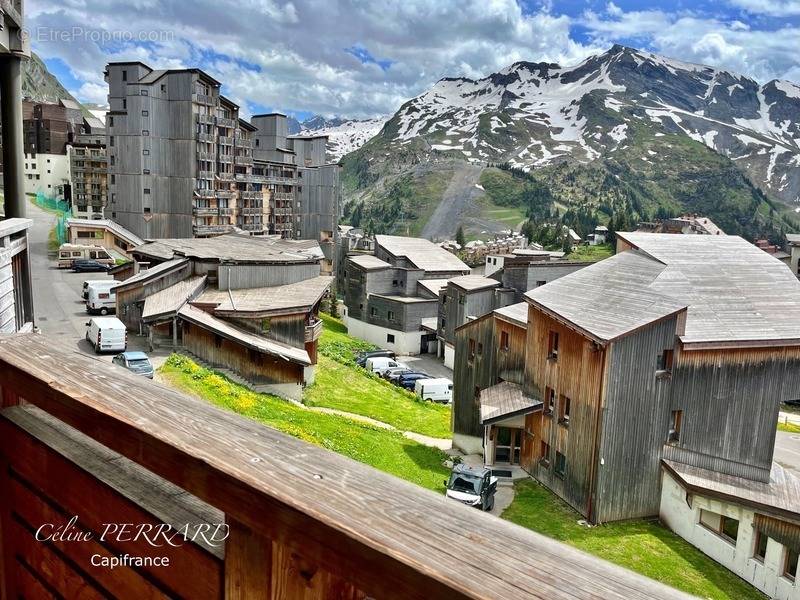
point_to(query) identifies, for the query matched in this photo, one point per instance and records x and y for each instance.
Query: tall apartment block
(183, 164)
(88, 167)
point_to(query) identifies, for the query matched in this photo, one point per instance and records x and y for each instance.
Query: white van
(101, 298)
(434, 390)
(107, 334)
(69, 253)
(97, 282)
(381, 364)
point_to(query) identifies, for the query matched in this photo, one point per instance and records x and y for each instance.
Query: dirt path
(457, 200)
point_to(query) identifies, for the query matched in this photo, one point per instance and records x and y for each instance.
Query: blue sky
(363, 58)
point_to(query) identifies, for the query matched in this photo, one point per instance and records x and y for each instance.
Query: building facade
(88, 171)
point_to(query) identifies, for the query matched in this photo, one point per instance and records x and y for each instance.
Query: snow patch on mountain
(344, 136)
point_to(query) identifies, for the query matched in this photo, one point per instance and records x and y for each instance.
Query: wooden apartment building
(677, 348)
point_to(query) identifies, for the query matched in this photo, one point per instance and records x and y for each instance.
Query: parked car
(68, 254)
(107, 334)
(473, 486)
(87, 265)
(381, 364)
(395, 377)
(135, 362)
(88, 282)
(395, 372)
(101, 299)
(361, 357)
(408, 380)
(434, 390)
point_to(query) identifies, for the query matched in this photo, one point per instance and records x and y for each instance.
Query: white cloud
(773, 8)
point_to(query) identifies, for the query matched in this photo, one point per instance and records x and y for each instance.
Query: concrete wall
(449, 355)
(683, 519)
(404, 342)
(46, 173)
(468, 444)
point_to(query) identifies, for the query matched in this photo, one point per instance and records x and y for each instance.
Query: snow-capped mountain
(344, 135)
(535, 115)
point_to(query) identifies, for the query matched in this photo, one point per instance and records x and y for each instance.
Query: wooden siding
(254, 366)
(577, 374)
(50, 476)
(635, 424)
(130, 302)
(730, 399)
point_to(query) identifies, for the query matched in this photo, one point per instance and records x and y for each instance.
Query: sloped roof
(517, 313)
(505, 400)
(112, 226)
(434, 286)
(422, 253)
(234, 248)
(255, 342)
(368, 262)
(735, 293)
(610, 298)
(153, 272)
(291, 297)
(168, 301)
(471, 283)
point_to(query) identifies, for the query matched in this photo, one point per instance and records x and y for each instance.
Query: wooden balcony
(205, 211)
(96, 441)
(244, 160)
(313, 331)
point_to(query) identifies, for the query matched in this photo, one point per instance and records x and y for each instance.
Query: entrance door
(507, 447)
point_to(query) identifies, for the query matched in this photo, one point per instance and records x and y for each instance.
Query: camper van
(69, 253)
(435, 390)
(380, 364)
(97, 282)
(101, 298)
(107, 334)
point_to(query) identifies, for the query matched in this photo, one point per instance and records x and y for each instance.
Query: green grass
(340, 384)
(789, 427)
(645, 547)
(383, 449)
(591, 253)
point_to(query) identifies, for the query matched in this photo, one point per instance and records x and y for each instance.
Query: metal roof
(505, 400)
(434, 286)
(279, 299)
(234, 248)
(256, 342)
(168, 301)
(404, 299)
(517, 313)
(422, 253)
(152, 272)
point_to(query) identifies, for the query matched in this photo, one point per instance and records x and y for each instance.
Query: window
(144, 92)
(373, 312)
(664, 363)
(471, 349)
(540, 283)
(113, 160)
(145, 132)
(390, 315)
(145, 152)
(124, 75)
(144, 113)
(147, 191)
(145, 171)
(561, 465)
(790, 564)
(394, 282)
(760, 551)
(147, 210)
(124, 104)
(163, 87)
(113, 179)
(726, 527)
(480, 348)
(110, 121)
(111, 141)
(676, 420)
(563, 410)
(389, 338)
(545, 452)
(549, 400)
(552, 345)
(504, 341)
(462, 298)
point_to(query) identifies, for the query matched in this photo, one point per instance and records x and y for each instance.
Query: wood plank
(32, 587)
(122, 581)
(248, 564)
(356, 522)
(300, 579)
(50, 566)
(192, 572)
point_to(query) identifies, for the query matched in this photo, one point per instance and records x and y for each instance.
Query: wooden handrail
(292, 503)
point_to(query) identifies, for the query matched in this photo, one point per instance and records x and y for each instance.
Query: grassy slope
(341, 385)
(642, 546)
(383, 449)
(789, 427)
(594, 253)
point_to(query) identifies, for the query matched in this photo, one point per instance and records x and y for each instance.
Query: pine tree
(460, 238)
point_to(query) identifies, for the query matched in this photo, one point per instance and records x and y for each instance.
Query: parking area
(427, 363)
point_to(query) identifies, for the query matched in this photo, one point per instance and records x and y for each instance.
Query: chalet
(678, 348)
(392, 296)
(246, 305)
(103, 232)
(689, 224)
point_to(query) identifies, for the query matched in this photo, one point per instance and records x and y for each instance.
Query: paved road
(787, 451)
(60, 312)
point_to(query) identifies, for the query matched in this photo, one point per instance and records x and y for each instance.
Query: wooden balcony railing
(96, 441)
(313, 331)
